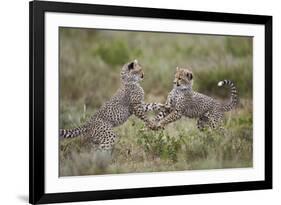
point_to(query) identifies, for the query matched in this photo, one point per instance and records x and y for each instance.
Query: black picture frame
(37, 10)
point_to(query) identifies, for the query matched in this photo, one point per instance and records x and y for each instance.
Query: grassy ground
(90, 62)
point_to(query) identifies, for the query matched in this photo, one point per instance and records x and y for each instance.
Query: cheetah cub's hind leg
(215, 119)
(212, 119)
(202, 122)
(103, 141)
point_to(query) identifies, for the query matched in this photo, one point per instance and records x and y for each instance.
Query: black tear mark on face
(189, 76)
(131, 66)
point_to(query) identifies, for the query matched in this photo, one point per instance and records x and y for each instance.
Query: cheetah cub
(127, 101)
(183, 101)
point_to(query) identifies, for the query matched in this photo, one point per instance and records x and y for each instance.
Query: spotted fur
(128, 100)
(183, 101)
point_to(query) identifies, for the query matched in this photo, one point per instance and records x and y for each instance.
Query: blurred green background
(90, 64)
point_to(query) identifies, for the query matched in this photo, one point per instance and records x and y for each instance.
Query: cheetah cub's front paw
(149, 126)
(155, 126)
(165, 108)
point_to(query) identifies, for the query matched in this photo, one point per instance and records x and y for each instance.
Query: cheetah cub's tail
(70, 133)
(233, 97)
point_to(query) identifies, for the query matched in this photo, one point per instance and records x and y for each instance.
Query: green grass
(90, 63)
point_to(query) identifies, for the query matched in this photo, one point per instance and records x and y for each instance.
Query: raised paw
(165, 108)
(155, 126)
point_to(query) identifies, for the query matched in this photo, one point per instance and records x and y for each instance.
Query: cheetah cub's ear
(131, 66)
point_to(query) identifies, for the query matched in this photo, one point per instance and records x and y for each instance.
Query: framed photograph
(130, 102)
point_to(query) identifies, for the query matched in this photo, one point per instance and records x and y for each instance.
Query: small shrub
(159, 144)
